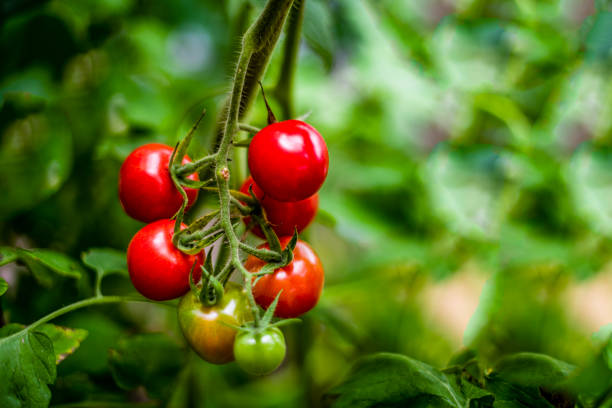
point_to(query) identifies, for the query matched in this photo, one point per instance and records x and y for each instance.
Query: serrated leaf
(51, 260)
(149, 360)
(3, 286)
(7, 255)
(28, 366)
(393, 380)
(65, 340)
(105, 261)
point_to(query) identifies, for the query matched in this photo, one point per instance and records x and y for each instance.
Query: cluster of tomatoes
(288, 162)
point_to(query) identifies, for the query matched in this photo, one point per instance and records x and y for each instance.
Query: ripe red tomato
(208, 329)
(284, 216)
(158, 270)
(301, 281)
(288, 160)
(146, 190)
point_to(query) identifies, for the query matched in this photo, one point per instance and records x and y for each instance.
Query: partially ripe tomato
(284, 216)
(158, 270)
(288, 160)
(260, 353)
(206, 328)
(301, 281)
(146, 190)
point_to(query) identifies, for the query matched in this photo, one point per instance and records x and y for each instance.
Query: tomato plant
(260, 352)
(210, 330)
(301, 282)
(157, 268)
(146, 190)
(288, 160)
(284, 217)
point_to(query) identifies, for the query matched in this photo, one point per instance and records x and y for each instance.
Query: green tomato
(208, 329)
(260, 353)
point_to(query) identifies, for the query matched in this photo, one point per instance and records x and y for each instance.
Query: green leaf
(529, 379)
(465, 186)
(393, 380)
(590, 182)
(42, 261)
(28, 366)
(105, 261)
(3, 286)
(318, 30)
(35, 160)
(150, 360)
(65, 340)
(7, 255)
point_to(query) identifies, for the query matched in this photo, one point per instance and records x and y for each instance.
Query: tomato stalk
(260, 37)
(92, 301)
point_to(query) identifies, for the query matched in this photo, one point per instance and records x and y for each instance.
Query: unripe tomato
(205, 328)
(284, 216)
(158, 270)
(288, 160)
(301, 281)
(260, 353)
(146, 190)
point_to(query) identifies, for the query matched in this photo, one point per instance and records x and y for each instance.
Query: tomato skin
(205, 328)
(158, 270)
(288, 160)
(301, 281)
(146, 190)
(260, 353)
(283, 216)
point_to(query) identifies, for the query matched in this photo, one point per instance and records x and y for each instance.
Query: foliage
(469, 141)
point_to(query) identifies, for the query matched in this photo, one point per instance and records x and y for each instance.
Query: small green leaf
(65, 340)
(393, 380)
(50, 260)
(28, 366)
(149, 360)
(105, 261)
(3, 286)
(7, 255)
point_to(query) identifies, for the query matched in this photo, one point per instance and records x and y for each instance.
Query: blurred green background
(468, 204)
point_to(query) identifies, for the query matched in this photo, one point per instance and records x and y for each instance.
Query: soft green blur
(470, 141)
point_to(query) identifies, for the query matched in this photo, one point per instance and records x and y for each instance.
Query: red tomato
(301, 281)
(284, 216)
(146, 190)
(288, 160)
(158, 270)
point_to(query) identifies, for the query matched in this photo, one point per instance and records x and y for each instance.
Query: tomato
(146, 190)
(284, 216)
(206, 328)
(288, 160)
(301, 281)
(260, 353)
(158, 270)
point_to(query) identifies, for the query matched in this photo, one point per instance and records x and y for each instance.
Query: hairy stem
(260, 37)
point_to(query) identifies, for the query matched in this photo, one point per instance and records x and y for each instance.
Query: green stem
(285, 85)
(197, 165)
(248, 128)
(97, 300)
(262, 35)
(85, 303)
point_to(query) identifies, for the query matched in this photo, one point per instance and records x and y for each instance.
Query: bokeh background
(468, 204)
